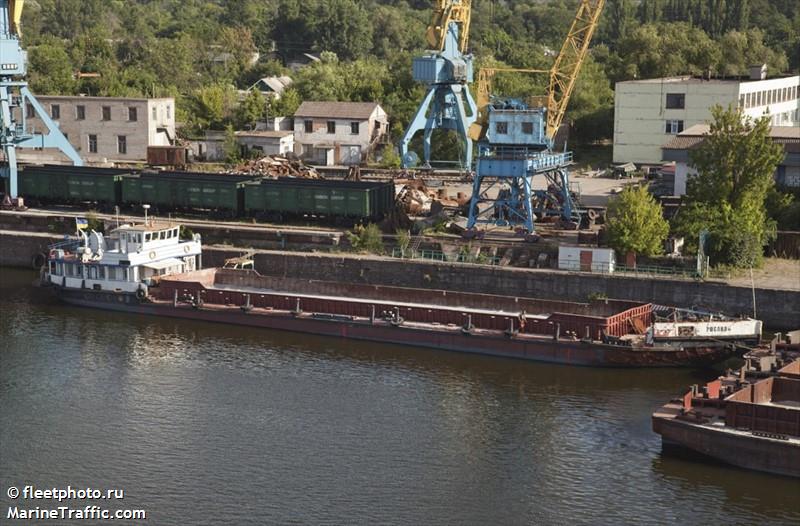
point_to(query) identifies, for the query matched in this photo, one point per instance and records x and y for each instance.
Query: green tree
(251, 109)
(735, 173)
(636, 223)
(286, 105)
(51, 70)
(233, 152)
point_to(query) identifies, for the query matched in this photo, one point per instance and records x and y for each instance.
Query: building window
(133, 115)
(122, 144)
(741, 101)
(501, 127)
(80, 113)
(29, 111)
(92, 143)
(354, 128)
(55, 111)
(676, 101)
(106, 113)
(527, 128)
(309, 126)
(169, 111)
(674, 127)
(331, 126)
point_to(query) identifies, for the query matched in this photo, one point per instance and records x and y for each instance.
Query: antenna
(146, 208)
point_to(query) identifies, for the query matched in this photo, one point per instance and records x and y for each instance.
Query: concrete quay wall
(779, 309)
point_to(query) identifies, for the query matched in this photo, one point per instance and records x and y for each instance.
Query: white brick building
(105, 129)
(334, 133)
(648, 113)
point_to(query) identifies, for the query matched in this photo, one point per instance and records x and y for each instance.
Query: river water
(211, 424)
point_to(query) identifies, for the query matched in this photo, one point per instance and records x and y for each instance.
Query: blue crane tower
(517, 142)
(15, 98)
(447, 70)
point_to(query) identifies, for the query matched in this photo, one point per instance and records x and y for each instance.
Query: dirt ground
(775, 274)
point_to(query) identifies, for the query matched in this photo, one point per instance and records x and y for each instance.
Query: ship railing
(67, 245)
(436, 255)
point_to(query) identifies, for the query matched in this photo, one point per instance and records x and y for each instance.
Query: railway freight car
(56, 184)
(341, 202)
(184, 191)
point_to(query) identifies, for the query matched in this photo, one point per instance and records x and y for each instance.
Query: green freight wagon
(337, 201)
(219, 193)
(71, 184)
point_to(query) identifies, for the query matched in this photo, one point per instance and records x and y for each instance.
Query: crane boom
(15, 12)
(445, 12)
(567, 66)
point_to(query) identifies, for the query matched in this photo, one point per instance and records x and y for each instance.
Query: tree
(286, 105)
(636, 223)
(231, 146)
(251, 109)
(735, 173)
(51, 70)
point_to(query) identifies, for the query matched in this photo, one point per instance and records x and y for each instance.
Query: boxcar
(220, 193)
(338, 201)
(70, 184)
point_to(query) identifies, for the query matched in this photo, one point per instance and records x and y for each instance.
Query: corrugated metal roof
(789, 136)
(337, 110)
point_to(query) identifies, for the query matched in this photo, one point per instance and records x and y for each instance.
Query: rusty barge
(750, 419)
(148, 269)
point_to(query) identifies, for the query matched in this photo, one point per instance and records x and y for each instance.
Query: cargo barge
(147, 269)
(750, 419)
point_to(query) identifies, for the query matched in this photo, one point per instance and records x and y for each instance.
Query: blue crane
(15, 98)
(446, 70)
(517, 142)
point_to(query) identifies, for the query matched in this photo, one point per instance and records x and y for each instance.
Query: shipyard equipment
(17, 103)
(447, 70)
(517, 142)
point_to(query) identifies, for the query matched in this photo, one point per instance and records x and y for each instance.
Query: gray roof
(692, 137)
(337, 110)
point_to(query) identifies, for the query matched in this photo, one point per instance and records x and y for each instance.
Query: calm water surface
(210, 424)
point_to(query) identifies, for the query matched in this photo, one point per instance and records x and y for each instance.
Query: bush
(366, 239)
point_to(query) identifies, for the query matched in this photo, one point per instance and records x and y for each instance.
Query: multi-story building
(648, 113)
(332, 133)
(679, 148)
(105, 129)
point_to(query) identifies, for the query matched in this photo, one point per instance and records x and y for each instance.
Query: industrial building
(648, 113)
(338, 133)
(105, 129)
(679, 148)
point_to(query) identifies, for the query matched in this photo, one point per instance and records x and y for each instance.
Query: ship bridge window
(147, 237)
(93, 272)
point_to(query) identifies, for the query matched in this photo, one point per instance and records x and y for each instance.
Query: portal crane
(446, 70)
(15, 97)
(517, 140)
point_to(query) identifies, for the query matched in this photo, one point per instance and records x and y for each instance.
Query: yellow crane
(563, 74)
(444, 12)
(15, 12)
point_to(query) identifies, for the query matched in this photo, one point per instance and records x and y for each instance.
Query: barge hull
(770, 455)
(543, 349)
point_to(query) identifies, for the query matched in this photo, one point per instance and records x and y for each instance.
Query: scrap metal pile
(417, 199)
(273, 166)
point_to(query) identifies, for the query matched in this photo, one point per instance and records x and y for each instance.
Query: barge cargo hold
(750, 420)
(147, 269)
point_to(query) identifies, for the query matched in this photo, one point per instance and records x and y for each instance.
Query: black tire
(38, 261)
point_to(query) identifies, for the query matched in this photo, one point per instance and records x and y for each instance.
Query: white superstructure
(128, 260)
